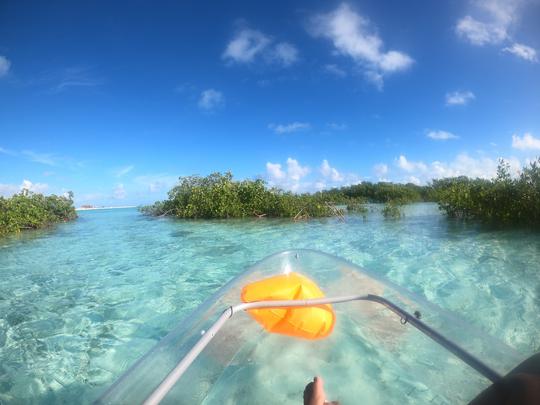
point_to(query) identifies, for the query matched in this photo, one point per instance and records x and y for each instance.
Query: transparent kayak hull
(370, 357)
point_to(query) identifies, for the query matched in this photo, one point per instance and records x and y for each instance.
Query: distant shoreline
(103, 208)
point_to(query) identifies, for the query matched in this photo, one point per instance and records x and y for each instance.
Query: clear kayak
(387, 346)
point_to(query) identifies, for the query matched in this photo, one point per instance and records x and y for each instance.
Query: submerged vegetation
(28, 210)
(502, 200)
(392, 209)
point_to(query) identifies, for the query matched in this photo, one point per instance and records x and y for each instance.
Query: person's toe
(318, 397)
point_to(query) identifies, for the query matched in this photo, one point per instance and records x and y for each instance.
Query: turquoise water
(81, 302)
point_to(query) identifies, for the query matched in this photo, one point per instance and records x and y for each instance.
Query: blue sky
(116, 102)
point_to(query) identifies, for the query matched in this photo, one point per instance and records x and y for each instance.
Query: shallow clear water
(81, 302)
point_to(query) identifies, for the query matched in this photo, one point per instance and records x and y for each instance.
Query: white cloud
(211, 99)
(329, 172)
(493, 24)
(352, 35)
(296, 171)
(156, 182)
(527, 142)
(288, 128)
(462, 165)
(275, 174)
(441, 135)
(122, 171)
(414, 180)
(248, 45)
(495, 19)
(34, 187)
(5, 65)
(480, 33)
(285, 54)
(409, 166)
(335, 70)
(298, 178)
(7, 190)
(459, 97)
(522, 51)
(119, 192)
(381, 170)
(289, 179)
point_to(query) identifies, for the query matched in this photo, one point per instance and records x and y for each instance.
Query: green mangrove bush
(28, 210)
(219, 196)
(383, 192)
(392, 209)
(502, 200)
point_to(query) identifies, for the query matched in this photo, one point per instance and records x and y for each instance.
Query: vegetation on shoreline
(503, 200)
(28, 210)
(382, 192)
(219, 196)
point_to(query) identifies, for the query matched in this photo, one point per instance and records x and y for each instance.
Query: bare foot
(314, 393)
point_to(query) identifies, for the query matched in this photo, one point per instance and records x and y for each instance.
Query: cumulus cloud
(462, 165)
(211, 99)
(298, 178)
(288, 178)
(526, 142)
(409, 166)
(119, 192)
(7, 190)
(414, 180)
(295, 170)
(491, 26)
(34, 187)
(248, 45)
(288, 128)
(329, 172)
(480, 33)
(494, 20)
(441, 135)
(353, 35)
(5, 65)
(522, 51)
(459, 97)
(274, 172)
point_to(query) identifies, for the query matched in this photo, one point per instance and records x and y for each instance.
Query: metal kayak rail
(168, 383)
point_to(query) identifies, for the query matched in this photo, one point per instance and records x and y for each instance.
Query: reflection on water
(81, 302)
